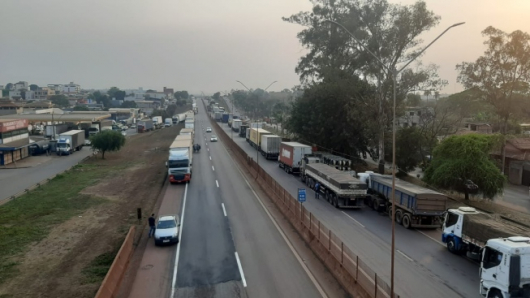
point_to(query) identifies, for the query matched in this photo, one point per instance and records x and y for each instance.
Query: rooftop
(70, 117)
(520, 143)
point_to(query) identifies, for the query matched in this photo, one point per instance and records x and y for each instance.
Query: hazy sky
(200, 45)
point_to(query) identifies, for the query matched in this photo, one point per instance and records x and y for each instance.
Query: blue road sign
(301, 195)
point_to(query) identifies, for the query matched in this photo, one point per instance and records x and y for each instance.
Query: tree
(108, 140)
(81, 108)
(60, 101)
(502, 75)
(390, 31)
(112, 92)
(462, 163)
(33, 87)
(408, 149)
(413, 100)
(216, 95)
(129, 104)
(101, 98)
(9, 86)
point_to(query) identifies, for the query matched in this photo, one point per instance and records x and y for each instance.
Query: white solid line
(174, 282)
(210, 158)
(213, 169)
(357, 222)
(403, 254)
(217, 182)
(437, 241)
(295, 253)
(224, 210)
(241, 271)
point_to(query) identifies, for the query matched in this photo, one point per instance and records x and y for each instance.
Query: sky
(202, 45)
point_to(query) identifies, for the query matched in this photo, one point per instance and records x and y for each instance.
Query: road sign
(301, 195)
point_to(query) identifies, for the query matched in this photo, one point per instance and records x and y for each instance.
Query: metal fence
(307, 224)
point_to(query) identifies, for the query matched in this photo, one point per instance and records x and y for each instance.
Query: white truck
(236, 124)
(291, 155)
(179, 164)
(270, 146)
(70, 141)
(168, 122)
(157, 121)
(189, 123)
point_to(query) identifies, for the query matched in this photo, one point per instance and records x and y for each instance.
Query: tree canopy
(181, 95)
(101, 98)
(108, 140)
(33, 87)
(461, 162)
(216, 95)
(129, 104)
(60, 101)
(81, 108)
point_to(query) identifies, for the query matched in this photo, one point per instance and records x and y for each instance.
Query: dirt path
(62, 264)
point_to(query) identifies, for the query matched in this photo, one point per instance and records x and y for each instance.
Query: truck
(179, 164)
(236, 125)
(225, 118)
(504, 271)
(187, 131)
(291, 155)
(175, 119)
(157, 121)
(270, 146)
(243, 130)
(145, 125)
(338, 188)
(70, 141)
(53, 130)
(168, 122)
(218, 116)
(416, 206)
(255, 137)
(181, 117)
(189, 123)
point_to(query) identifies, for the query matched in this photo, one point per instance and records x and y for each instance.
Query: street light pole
(394, 72)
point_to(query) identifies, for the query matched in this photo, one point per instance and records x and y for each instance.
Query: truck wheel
(369, 202)
(399, 216)
(451, 246)
(494, 294)
(375, 204)
(406, 221)
(336, 201)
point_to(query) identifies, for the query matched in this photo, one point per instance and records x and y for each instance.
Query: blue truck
(416, 206)
(225, 118)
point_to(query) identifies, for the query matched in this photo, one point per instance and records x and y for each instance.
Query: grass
(97, 269)
(29, 218)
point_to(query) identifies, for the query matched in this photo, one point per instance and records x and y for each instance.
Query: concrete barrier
(111, 284)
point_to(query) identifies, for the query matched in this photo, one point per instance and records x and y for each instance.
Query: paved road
(423, 265)
(222, 217)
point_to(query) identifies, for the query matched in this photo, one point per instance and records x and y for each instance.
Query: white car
(213, 138)
(208, 129)
(167, 230)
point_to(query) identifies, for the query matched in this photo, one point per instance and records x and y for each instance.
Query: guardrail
(355, 276)
(38, 184)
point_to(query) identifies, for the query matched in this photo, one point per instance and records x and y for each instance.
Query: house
(21, 86)
(7, 107)
(155, 95)
(413, 116)
(56, 88)
(169, 92)
(42, 93)
(71, 88)
(517, 160)
(479, 127)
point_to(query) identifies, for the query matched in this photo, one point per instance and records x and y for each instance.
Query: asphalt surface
(423, 266)
(223, 222)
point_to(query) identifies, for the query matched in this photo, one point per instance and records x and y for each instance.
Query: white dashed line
(213, 169)
(241, 271)
(406, 257)
(437, 241)
(357, 222)
(224, 210)
(217, 182)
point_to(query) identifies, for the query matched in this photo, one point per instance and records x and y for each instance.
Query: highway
(229, 245)
(424, 267)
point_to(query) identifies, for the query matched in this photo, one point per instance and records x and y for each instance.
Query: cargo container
(225, 118)
(179, 164)
(70, 141)
(270, 146)
(243, 130)
(291, 155)
(338, 188)
(189, 123)
(144, 125)
(255, 137)
(236, 125)
(218, 116)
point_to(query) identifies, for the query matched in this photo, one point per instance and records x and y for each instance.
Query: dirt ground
(54, 266)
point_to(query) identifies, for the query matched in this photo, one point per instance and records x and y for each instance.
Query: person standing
(317, 190)
(152, 227)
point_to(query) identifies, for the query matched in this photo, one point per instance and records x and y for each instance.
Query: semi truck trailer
(291, 155)
(255, 137)
(270, 146)
(338, 188)
(145, 125)
(236, 125)
(179, 164)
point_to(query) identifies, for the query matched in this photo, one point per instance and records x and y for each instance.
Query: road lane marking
(213, 169)
(217, 182)
(210, 158)
(208, 149)
(295, 253)
(224, 210)
(437, 241)
(241, 271)
(403, 254)
(174, 282)
(356, 221)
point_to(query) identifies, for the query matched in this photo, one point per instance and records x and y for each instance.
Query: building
(21, 86)
(479, 127)
(155, 95)
(516, 161)
(14, 140)
(7, 107)
(413, 116)
(169, 92)
(71, 88)
(135, 97)
(42, 93)
(56, 88)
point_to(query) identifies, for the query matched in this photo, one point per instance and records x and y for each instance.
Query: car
(208, 129)
(167, 230)
(133, 125)
(213, 138)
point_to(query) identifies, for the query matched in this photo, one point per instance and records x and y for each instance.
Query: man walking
(152, 225)
(317, 190)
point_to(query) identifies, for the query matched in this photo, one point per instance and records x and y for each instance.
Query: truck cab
(505, 268)
(64, 146)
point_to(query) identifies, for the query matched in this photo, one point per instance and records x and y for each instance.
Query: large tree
(100, 98)
(60, 101)
(502, 75)
(108, 140)
(389, 31)
(129, 104)
(33, 87)
(463, 162)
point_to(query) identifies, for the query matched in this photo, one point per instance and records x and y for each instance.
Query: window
(411, 113)
(451, 219)
(492, 258)
(419, 113)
